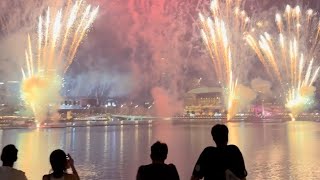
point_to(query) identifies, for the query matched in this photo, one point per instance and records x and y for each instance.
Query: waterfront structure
(203, 101)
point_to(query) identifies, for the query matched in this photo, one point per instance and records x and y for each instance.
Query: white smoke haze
(94, 83)
(20, 15)
(12, 49)
(261, 86)
(246, 96)
(242, 100)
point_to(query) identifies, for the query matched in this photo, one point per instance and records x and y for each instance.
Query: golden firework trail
(304, 26)
(222, 34)
(50, 53)
(285, 55)
(59, 36)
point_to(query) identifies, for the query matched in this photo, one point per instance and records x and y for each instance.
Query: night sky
(133, 47)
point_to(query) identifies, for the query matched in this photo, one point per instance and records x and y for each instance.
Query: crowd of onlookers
(223, 162)
(59, 160)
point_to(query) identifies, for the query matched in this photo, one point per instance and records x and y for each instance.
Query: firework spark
(59, 35)
(222, 34)
(285, 56)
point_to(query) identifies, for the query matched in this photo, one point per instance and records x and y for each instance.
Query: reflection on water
(285, 150)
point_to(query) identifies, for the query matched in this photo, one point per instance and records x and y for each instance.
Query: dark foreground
(272, 150)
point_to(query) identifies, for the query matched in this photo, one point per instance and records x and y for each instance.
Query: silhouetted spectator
(218, 163)
(60, 162)
(158, 170)
(9, 155)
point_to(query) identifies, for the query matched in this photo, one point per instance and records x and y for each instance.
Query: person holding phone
(60, 162)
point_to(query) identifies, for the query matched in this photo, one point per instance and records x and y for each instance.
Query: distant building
(92, 102)
(78, 102)
(204, 101)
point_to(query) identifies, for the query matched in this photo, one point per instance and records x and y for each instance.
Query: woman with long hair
(60, 162)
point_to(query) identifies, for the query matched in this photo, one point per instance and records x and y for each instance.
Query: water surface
(280, 150)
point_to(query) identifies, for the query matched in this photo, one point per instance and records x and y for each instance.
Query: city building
(203, 101)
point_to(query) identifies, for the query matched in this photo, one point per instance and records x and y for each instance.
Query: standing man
(9, 155)
(158, 169)
(221, 162)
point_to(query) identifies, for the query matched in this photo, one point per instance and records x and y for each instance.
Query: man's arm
(24, 177)
(243, 171)
(45, 177)
(138, 177)
(239, 168)
(20, 175)
(174, 171)
(74, 171)
(194, 178)
(198, 170)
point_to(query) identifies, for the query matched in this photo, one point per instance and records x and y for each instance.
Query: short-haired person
(9, 156)
(218, 163)
(158, 170)
(60, 162)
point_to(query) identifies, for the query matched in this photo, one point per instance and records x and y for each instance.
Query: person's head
(159, 152)
(219, 134)
(58, 161)
(9, 155)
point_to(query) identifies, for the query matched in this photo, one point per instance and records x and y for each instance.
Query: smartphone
(68, 162)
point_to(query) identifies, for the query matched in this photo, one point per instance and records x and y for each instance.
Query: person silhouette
(158, 170)
(222, 162)
(9, 156)
(60, 162)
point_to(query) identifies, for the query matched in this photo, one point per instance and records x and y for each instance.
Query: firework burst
(223, 36)
(59, 35)
(285, 55)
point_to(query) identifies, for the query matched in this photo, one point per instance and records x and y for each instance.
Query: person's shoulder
(11, 169)
(14, 173)
(173, 171)
(45, 177)
(172, 166)
(208, 149)
(18, 173)
(234, 150)
(69, 176)
(144, 167)
(233, 147)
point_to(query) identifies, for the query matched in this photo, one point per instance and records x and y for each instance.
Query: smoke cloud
(242, 99)
(11, 56)
(261, 86)
(164, 102)
(155, 45)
